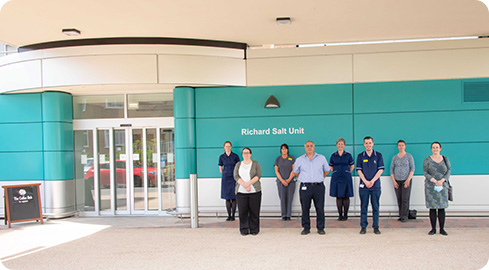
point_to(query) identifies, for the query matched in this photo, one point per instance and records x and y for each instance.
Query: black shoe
(284, 218)
(321, 232)
(287, 218)
(232, 219)
(376, 231)
(433, 231)
(244, 233)
(228, 219)
(305, 231)
(363, 231)
(443, 232)
(399, 219)
(254, 233)
(340, 218)
(345, 218)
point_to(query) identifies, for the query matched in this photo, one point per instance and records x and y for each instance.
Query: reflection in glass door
(152, 168)
(137, 168)
(104, 169)
(167, 159)
(120, 169)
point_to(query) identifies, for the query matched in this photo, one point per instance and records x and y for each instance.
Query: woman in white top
(247, 174)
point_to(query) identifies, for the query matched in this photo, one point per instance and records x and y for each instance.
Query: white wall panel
(319, 69)
(102, 69)
(470, 197)
(421, 65)
(137, 49)
(21, 75)
(188, 69)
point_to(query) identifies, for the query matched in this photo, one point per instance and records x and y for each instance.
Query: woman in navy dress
(228, 184)
(342, 164)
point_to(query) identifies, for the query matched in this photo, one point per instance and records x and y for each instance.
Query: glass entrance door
(131, 171)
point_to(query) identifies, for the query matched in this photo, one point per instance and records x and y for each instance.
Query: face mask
(438, 188)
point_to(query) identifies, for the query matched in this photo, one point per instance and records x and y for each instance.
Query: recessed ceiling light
(71, 32)
(283, 20)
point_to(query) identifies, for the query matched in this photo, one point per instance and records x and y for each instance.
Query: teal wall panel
(185, 162)
(323, 130)
(20, 137)
(458, 153)
(57, 106)
(425, 127)
(294, 100)
(21, 166)
(184, 102)
(419, 112)
(208, 158)
(437, 95)
(20, 108)
(184, 112)
(59, 165)
(186, 129)
(36, 139)
(58, 136)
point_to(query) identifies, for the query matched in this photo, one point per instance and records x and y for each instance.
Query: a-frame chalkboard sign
(22, 203)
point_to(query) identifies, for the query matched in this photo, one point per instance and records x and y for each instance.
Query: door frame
(127, 124)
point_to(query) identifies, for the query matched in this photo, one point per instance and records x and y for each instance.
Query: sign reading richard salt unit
(22, 203)
(272, 131)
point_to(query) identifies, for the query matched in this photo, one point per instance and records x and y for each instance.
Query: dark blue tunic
(341, 181)
(228, 183)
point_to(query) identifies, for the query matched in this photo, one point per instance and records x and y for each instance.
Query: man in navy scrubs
(370, 166)
(311, 169)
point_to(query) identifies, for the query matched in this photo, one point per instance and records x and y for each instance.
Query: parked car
(120, 166)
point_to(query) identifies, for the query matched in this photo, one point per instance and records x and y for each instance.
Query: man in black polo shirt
(370, 166)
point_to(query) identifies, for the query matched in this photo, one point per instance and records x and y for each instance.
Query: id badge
(304, 187)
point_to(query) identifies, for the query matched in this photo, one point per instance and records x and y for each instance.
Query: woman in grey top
(402, 171)
(436, 170)
(247, 174)
(284, 169)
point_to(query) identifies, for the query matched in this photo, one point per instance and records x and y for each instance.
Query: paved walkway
(169, 243)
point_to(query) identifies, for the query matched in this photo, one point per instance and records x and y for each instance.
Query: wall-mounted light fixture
(283, 20)
(71, 32)
(272, 102)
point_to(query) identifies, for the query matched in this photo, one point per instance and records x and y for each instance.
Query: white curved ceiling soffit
(24, 22)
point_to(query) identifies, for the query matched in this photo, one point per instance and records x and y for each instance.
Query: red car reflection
(120, 174)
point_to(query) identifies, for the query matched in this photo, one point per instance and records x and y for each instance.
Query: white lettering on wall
(272, 131)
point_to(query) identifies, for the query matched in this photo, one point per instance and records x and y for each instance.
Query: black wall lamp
(272, 102)
(71, 32)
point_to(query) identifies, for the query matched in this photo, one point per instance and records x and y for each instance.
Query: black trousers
(314, 193)
(249, 212)
(403, 194)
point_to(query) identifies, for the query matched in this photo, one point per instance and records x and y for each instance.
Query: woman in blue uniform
(226, 167)
(342, 164)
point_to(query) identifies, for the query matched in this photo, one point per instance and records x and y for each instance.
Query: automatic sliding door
(138, 169)
(120, 169)
(167, 157)
(152, 158)
(104, 171)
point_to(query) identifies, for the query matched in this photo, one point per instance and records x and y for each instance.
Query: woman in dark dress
(436, 170)
(227, 161)
(342, 164)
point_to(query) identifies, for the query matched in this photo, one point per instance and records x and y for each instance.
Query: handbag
(450, 188)
(412, 214)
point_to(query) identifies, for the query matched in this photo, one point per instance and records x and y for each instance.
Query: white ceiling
(24, 22)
